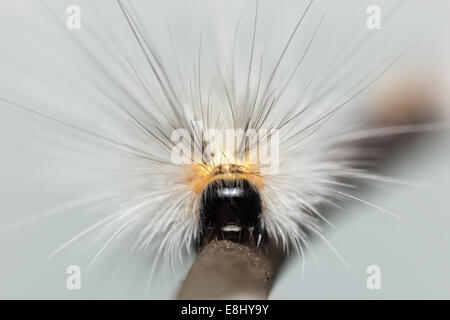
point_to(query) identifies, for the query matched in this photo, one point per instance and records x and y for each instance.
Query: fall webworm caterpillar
(162, 211)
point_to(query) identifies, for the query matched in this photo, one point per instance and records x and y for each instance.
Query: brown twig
(229, 270)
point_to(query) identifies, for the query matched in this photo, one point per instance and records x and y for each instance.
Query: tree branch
(229, 270)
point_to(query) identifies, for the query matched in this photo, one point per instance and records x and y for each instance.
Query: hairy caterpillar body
(172, 207)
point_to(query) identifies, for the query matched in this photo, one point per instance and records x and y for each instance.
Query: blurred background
(55, 182)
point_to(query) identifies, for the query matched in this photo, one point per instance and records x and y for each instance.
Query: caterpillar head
(230, 205)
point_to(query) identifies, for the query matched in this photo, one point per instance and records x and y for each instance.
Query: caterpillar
(265, 98)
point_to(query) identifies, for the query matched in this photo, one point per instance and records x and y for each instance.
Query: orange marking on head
(202, 175)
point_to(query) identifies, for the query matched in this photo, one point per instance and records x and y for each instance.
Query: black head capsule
(231, 210)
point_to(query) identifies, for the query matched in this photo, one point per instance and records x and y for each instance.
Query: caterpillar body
(223, 192)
